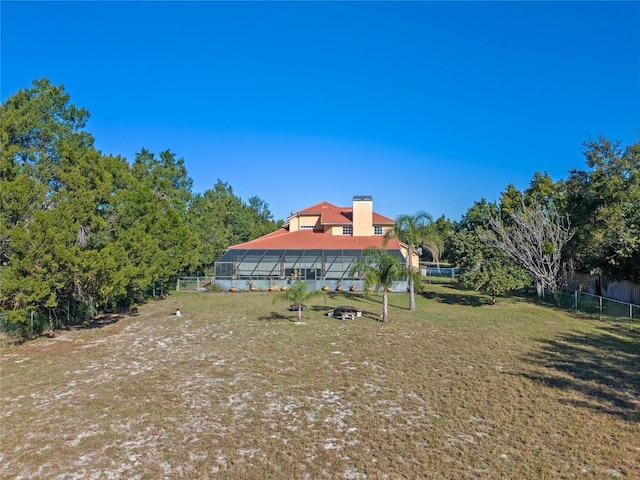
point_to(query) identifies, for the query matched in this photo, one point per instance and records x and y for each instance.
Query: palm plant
(379, 269)
(414, 230)
(297, 295)
(434, 244)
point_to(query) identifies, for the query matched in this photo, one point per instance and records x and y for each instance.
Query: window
(308, 227)
(346, 230)
(377, 230)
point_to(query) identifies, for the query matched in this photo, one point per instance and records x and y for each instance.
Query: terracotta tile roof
(319, 208)
(382, 220)
(332, 215)
(309, 239)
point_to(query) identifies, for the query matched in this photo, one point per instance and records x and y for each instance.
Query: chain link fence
(32, 325)
(440, 274)
(600, 307)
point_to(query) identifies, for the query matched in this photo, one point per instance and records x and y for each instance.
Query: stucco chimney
(362, 216)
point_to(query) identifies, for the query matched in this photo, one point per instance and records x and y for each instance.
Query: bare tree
(534, 238)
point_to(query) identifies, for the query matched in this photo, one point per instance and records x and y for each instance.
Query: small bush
(212, 287)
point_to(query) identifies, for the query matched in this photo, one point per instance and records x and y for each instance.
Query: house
(317, 244)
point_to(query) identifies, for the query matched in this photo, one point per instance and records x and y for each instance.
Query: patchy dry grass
(235, 389)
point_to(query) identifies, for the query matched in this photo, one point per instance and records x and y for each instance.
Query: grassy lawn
(235, 388)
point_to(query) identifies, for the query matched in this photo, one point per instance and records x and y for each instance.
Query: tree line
(82, 231)
(588, 222)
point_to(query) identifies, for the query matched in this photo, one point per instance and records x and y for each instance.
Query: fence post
(198, 284)
(178, 285)
(600, 298)
(575, 300)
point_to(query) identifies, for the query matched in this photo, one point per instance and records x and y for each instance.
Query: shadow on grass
(353, 298)
(100, 322)
(602, 366)
(456, 295)
(344, 296)
(321, 308)
(365, 314)
(274, 316)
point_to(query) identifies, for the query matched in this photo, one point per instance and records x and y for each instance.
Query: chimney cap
(362, 198)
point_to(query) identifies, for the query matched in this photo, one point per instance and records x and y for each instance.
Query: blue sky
(423, 105)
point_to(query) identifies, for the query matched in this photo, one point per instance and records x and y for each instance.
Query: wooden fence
(622, 290)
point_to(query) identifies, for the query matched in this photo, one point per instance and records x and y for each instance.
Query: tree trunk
(412, 297)
(385, 305)
(556, 297)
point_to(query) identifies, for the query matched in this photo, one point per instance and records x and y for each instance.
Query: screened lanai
(239, 264)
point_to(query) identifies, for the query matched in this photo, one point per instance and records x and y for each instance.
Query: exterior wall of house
(334, 229)
(362, 216)
(416, 257)
(416, 261)
(337, 230)
(301, 221)
(385, 228)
